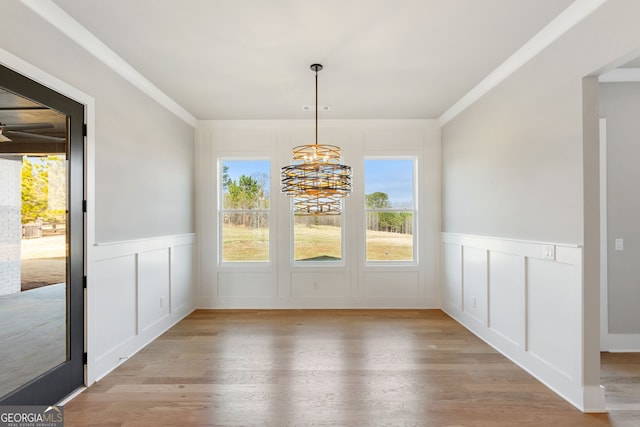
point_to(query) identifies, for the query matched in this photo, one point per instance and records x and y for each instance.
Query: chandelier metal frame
(316, 179)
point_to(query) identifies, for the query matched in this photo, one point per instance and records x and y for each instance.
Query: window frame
(221, 212)
(414, 212)
(292, 248)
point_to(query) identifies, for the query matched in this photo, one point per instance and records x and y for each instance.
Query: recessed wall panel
(553, 307)
(506, 296)
(382, 139)
(391, 284)
(153, 286)
(181, 275)
(114, 310)
(247, 284)
(452, 271)
(474, 288)
(318, 284)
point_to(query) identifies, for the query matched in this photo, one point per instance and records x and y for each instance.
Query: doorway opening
(41, 242)
(619, 104)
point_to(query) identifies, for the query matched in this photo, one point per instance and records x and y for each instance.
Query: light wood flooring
(620, 375)
(325, 368)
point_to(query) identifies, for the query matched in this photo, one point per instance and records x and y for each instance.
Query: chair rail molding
(525, 299)
(139, 289)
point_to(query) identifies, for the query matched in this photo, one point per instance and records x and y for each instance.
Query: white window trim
(302, 263)
(414, 211)
(221, 213)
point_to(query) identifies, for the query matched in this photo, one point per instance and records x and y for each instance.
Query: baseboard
(523, 299)
(317, 303)
(109, 361)
(622, 343)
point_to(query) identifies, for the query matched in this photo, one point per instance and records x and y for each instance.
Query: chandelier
(316, 179)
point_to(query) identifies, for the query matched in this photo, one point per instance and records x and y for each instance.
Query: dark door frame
(62, 380)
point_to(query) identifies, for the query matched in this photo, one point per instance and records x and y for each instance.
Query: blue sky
(391, 176)
(248, 168)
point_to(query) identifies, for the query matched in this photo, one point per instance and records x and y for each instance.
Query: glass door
(41, 243)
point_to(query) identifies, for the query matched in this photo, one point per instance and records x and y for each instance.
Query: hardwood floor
(319, 368)
(620, 375)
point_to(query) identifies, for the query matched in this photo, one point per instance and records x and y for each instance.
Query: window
(244, 210)
(390, 209)
(317, 238)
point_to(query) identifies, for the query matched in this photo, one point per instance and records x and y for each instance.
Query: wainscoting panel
(507, 308)
(238, 284)
(524, 299)
(474, 283)
(153, 287)
(553, 309)
(452, 274)
(391, 284)
(182, 276)
(316, 285)
(131, 289)
(114, 297)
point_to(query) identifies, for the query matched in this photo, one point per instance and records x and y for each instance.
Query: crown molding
(61, 20)
(562, 23)
(566, 20)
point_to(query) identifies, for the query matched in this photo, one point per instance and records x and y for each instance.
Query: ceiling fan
(23, 131)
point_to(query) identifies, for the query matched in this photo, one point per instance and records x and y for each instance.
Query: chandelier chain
(316, 179)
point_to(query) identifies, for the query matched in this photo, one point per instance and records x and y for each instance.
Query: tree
(226, 180)
(35, 190)
(377, 220)
(377, 200)
(44, 190)
(56, 190)
(394, 222)
(247, 192)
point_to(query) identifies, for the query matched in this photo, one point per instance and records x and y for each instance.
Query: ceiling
(31, 127)
(249, 59)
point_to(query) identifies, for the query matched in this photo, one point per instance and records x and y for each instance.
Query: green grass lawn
(249, 244)
(314, 241)
(385, 246)
(245, 243)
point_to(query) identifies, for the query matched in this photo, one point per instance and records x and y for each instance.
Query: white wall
(512, 162)
(142, 151)
(522, 163)
(140, 191)
(620, 106)
(283, 285)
